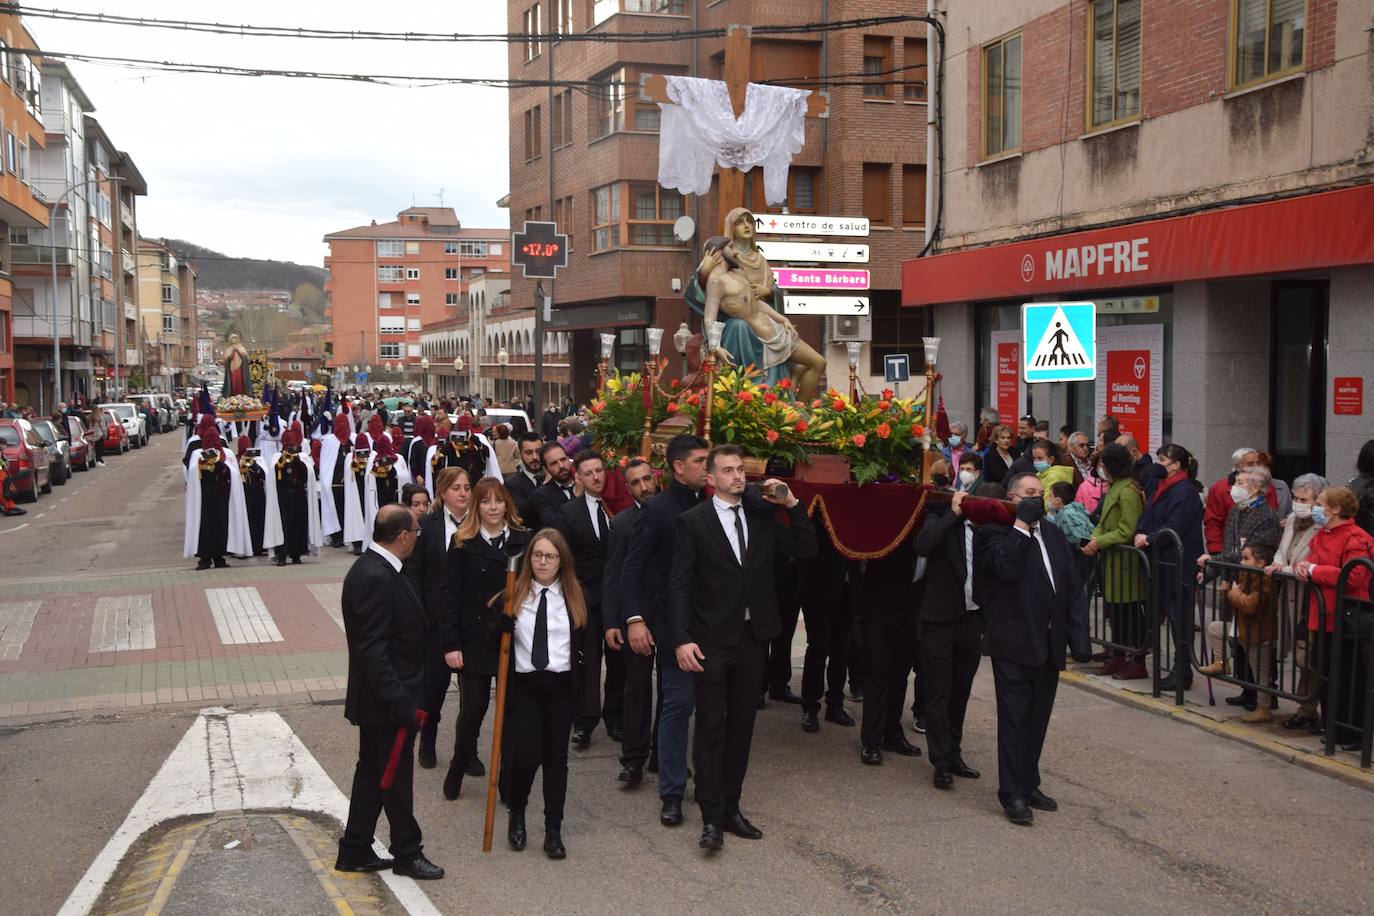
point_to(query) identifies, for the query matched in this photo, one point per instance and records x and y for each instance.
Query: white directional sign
(825, 305)
(819, 252)
(794, 224)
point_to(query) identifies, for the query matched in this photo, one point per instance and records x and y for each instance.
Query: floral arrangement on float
(240, 407)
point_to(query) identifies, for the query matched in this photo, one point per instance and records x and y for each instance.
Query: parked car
(83, 441)
(115, 440)
(60, 469)
(517, 420)
(132, 419)
(28, 459)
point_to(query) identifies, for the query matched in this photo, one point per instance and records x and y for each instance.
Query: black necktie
(739, 534)
(499, 540)
(539, 652)
(567, 492)
(601, 523)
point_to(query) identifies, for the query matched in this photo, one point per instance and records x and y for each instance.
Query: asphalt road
(1154, 816)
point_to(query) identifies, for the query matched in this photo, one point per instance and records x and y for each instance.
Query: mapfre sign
(1311, 232)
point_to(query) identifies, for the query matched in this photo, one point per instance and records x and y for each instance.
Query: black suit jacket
(385, 628)
(474, 573)
(709, 590)
(941, 542)
(544, 504)
(649, 556)
(521, 488)
(588, 550)
(425, 566)
(1029, 621)
(617, 546)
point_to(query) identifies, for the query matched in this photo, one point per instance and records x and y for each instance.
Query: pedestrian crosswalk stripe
(123, 624)
(16, 620)
(330, 597)
(241, 617)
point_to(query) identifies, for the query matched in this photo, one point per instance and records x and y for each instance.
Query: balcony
(40, 326)
(55, 121)
(132, 357)
(107, 314)
(126, 214)
(39, 254)
(130, 310)
(127, 260)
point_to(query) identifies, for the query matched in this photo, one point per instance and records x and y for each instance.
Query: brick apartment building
(233, 300)
(1202, 172)
(386, 281)
(867, 158)
(296, 363)
(21, 207)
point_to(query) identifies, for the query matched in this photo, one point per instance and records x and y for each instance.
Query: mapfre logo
(1138, 367)
(1027, 268)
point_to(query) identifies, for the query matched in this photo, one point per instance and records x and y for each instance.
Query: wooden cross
(654, 87)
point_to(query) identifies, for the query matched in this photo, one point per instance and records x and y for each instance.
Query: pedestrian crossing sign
(1060, 341)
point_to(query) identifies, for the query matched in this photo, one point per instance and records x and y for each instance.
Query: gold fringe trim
(818, 501)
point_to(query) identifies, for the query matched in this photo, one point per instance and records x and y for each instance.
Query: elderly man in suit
(1026, 582)
(723, 612)
(385, 628)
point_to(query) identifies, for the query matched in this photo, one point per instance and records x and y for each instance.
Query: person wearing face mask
(1051, 466)
(1026, 582)
(1338, 542)
(1123, 587)
(941, 474)
(970, 472)
(956, 446)
(1299, 528)
(1220, 503)
(1093, 487)
(1068, 515)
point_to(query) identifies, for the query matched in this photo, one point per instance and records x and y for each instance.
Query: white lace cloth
(700, 131)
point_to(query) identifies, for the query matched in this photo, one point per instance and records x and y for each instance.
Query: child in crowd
(1251, 599)
(1067, 514)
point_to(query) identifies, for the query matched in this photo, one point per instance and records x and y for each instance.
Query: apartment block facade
(21, 206)
(387, 281)
(867, 157)
(167, 293)
(1201, 171)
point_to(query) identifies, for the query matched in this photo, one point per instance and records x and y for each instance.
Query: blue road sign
(897, 367)
(1059, 340)
(362, 378)
(309, 375)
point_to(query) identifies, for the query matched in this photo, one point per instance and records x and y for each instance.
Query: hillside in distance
(220, 271)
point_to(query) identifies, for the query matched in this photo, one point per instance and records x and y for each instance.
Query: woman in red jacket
(1338, 542)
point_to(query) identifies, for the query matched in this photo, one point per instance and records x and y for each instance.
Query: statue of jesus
(235, 368)
(738, 281)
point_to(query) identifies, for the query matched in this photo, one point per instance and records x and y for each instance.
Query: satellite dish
(684, 228)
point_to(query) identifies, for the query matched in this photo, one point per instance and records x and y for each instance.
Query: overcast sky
(264, 167)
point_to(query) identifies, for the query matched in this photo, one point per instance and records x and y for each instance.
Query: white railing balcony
(40, 326)
(130, 310)
(127, 260)
(107, 314)
(132, 357)
(39, 254)
(55, 122)
(126, 214)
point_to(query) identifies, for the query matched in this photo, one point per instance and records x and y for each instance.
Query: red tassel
(941, 420)
(389, 775)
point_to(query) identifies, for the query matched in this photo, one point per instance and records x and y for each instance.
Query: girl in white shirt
(542, 696)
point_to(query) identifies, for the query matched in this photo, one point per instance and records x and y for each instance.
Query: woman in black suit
(1001, 453)
(474, 579)
(546, 664)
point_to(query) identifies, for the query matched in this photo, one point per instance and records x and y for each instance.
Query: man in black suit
(644, 610)
(636, 709)
(385, 628)
(950, 635)
(528, 476)
(558, 488)
(586, 523)
(722, 613)
(1026, 582)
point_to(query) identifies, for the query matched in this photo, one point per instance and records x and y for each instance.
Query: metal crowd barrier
(1121, 615)
(1350, 702)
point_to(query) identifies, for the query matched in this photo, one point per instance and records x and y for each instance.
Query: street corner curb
(1350, 774)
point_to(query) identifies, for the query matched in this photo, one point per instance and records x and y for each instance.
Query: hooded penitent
(341, 430)
(424, 429)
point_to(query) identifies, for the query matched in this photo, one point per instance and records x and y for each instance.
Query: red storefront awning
(1315, 231)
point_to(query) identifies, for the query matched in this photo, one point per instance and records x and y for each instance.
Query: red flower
(624, 461)
(883, 430)
(784, 383)
(918, 430)
(772, 435)
(838, 403)
(817, 402)
(770, 398)
(859, 439)
(884, 404)
(745, 397)
(673, 383)
(800, 426)
(598, 406)
(764, 386)
(888, 394)
(672, 407)
(694, 400)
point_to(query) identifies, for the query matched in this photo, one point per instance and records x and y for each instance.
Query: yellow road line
(299, 829)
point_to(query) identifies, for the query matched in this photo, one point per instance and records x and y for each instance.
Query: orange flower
(888, 394)
(770, 398)
(764, 386)
(772, 435)
(884, 404)
(859, 439)
(694, 400)
(598, 406)
(838, 403)
(918, 430)
(745, 397)
(883, 430)
(817, 403)
(624, 461)
(800, 426)
(784, 383)
(673, 383)
(672, 407)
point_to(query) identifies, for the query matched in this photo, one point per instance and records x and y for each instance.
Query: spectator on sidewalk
(1219, 502)
(1123, 587)
(1363, 486)
(6, 502)
(1299, 529)
(1250, 599)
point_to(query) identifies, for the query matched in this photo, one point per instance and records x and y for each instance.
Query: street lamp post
(458, 375)
(424, 374)
(680, 338)
(502, 359)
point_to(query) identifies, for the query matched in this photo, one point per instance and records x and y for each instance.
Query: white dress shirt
(592, 503)
(1044, 554)
(503, 534)
(969, 603)
(451, 525)
(385, 555)
(560, 630)
(725, 512)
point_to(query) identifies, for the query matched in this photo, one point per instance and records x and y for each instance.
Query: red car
(28, 459)
(83, 444)
(116, 438)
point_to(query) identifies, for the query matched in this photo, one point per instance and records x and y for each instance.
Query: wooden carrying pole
(498, 727)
